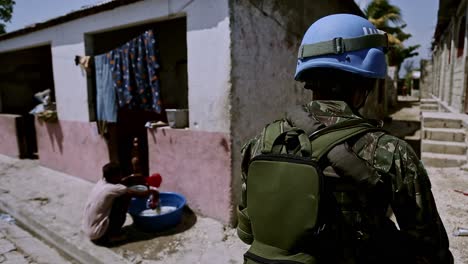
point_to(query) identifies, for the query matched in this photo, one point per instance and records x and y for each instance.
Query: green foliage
(397, 54)
(387, 17)
(6, 10)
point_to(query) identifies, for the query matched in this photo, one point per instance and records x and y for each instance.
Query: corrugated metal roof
(86, 10)
(99, 3)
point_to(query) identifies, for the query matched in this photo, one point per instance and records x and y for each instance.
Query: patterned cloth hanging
(135, 73)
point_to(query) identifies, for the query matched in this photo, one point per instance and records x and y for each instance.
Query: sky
(419, 15)
(27, 12)
(421, 19)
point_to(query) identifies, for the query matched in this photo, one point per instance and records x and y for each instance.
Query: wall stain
(224, 143)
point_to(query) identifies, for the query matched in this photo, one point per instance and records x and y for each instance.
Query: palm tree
(6, 9)
(382, 14)
(387, 17)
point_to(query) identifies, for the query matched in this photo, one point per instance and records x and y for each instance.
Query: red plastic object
(154, 180)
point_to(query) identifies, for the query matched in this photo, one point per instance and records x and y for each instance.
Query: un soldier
(342, 59)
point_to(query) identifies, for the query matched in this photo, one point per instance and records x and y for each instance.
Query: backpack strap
(324, 140)
(244, 226)
(278, 144)
(270, 133)
(278, 132)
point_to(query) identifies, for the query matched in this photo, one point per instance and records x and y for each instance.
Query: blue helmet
(344, 42)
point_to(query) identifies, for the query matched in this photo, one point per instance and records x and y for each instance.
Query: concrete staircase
(429, 105)
(443, 139)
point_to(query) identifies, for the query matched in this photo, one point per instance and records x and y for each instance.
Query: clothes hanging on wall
(106, 104)
(135, 73)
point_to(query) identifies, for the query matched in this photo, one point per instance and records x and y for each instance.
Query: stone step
(442, 123)
(444, 134)
(443, 147)
(428, 101)
(442, 160)
(440, 120)
(429, 108)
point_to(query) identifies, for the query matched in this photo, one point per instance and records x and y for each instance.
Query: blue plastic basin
(161, 222)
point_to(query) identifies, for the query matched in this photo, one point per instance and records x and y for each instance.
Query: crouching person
(107, 205)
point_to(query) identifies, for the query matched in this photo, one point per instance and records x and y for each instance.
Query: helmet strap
(340, 45)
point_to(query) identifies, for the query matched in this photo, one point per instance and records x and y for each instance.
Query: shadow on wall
(55, 134)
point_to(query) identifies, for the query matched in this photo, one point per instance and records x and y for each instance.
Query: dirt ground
(200, 239)
(452, 206)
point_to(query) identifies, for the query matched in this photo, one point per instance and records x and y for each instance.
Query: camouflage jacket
(405, 189)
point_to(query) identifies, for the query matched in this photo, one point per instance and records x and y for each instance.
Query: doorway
(171, 45)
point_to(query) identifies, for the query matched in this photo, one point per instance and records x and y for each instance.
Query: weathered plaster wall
(196, 164)
(207, 33)
(8, 135)
(438, 73)
(427, 78)
(443, 70)
(72, 147)
(448, 81)
(266, 36)
(458, 84)
(209, 64)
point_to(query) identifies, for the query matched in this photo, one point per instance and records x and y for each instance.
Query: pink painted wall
(72, 147)
(8, 137)
(196, 164)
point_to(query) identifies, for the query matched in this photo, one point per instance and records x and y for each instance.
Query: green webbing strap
(341, 45)
(324, 143)
(270, 133)
(278, 143)
(244, 228)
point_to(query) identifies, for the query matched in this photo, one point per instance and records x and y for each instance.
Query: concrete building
(448, 83)
(230, 62)
(444, 92)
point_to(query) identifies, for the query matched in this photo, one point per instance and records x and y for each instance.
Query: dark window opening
(24, 73)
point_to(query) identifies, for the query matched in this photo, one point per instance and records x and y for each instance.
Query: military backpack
(282, 205)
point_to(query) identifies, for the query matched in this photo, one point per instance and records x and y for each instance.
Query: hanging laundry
(106, 103)
(135, 73)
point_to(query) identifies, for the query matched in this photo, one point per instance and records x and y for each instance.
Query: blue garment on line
(106, 103)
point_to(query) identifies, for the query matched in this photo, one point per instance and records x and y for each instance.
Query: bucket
(157, 223)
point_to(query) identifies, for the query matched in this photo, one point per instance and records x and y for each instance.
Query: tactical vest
(286, 214)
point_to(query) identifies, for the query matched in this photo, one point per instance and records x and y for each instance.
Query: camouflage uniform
(404, 187)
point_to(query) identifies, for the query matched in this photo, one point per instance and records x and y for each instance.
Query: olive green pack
(282, 190)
